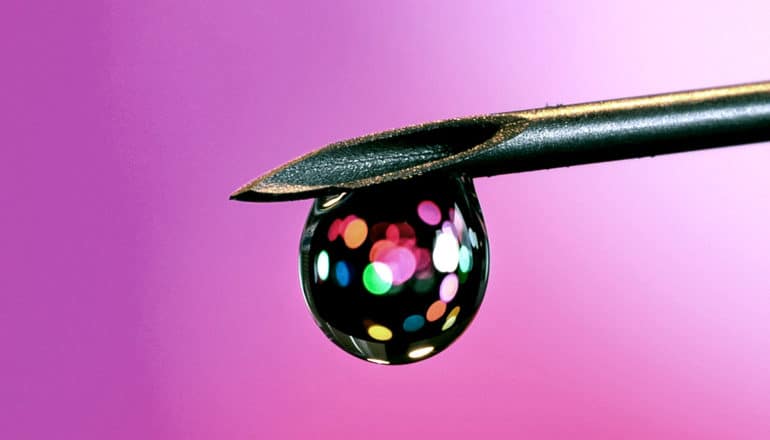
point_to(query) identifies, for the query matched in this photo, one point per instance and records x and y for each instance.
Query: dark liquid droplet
(394, 273)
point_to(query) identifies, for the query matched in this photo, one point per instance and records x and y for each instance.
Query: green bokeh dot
(377, 278)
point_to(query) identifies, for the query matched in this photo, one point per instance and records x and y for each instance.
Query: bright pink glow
(429, 212)
(401, 261)
(448, 287)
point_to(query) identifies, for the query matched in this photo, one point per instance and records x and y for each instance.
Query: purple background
(626, 300)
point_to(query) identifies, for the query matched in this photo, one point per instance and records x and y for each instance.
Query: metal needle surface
(527, 140)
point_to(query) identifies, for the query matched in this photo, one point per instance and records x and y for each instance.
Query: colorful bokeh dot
(342, 273)
(429, 212)
(448, 287)
(379, 332)
(435, 311)
(354, 234)
(446, 252)
(322, 265)
(413, 323)
(334, 230)
(377, 278)
(451, 318)
(401, 262)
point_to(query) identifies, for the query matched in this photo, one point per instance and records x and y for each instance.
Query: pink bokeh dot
(429, 212)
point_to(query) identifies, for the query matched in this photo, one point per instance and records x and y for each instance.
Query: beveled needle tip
(527, 140)
(382, 157)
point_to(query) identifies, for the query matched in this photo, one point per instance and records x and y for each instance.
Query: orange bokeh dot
(345, 222)
(435, 311)
(355, 233)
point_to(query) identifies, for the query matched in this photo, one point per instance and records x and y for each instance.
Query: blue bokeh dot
(414, 323)
(342, 273)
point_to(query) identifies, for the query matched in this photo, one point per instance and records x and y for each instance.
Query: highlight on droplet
(378, 361)
(354, 234)
(333, 200)
(421, 352)
(435, 311)
(429, 212)
(456, 217)
(377, 278)
(322, 265)
(379, 332)
(446, 252)
(473, 238)
(448, 287)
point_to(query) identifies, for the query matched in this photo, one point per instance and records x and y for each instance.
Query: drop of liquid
(394, 273)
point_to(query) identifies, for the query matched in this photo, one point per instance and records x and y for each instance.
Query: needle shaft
(527, 140)
(630, 128)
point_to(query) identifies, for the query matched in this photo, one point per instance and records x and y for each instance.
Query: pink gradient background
(626, 300)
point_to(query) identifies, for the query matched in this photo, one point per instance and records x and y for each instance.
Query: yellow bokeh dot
(380, 332)
(451, 318)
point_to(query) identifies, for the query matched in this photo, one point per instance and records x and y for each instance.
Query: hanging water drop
(398, 251)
